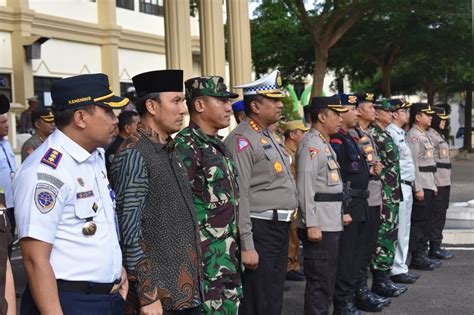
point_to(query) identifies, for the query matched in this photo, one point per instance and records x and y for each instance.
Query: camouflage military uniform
(213, 178)
(391, 197)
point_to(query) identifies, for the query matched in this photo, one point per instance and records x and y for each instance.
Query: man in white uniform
(65, 207)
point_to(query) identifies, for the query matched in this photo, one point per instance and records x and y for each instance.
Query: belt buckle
(115, 288)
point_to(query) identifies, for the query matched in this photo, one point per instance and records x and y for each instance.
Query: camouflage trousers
(222, 295)
(387, 238)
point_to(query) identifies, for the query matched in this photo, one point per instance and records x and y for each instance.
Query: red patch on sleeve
(242, 144)
(313, 152)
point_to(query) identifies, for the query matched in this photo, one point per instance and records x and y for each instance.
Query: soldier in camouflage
(213, 178)
(391, 196)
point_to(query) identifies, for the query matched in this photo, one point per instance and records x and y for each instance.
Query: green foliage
(280, 41)
(287, 110)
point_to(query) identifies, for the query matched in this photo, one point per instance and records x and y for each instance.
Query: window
(6, 85)
(126, 4)
(154, 7)
(43, 89)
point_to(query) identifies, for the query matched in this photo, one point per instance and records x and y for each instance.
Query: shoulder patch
(414, 139)
(336, 140)
(242, 144)
(45, 197)
(313, 152)
(51, 179)
(52, 158)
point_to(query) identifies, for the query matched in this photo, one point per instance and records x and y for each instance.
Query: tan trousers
(293, 246)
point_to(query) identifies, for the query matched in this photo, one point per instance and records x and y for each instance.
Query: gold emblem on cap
(352, 99)
(369, 96)
(279, 81)
(89, 228)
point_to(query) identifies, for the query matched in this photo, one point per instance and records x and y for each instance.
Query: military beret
(238, 106)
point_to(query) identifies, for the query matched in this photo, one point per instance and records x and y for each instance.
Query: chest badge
(263, 141)
(80, 181)
(89, 228)
(334, 176)
(95, 207)
(278, 167)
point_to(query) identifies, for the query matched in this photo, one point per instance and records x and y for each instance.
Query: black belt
(407, 182)
(327, 197)
(443, 165)
(359, 193)
(427, 169)
(89, 287)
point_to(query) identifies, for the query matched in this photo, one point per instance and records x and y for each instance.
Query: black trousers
(438, 218)
(12, 226)
(352, 248)
(263, 287)
(420, 228)
(78, 303)
(370, 234)
(320, 269)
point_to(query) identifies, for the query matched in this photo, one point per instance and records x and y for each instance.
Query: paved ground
(447, 290)
(462, 187)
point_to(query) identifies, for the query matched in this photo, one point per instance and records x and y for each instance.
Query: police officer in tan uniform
(267, 196)
(320, 221)
(424, 186)
(443, 184)
(294, 134)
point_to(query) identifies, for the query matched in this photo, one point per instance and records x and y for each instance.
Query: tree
(402, 30)
(289, 21)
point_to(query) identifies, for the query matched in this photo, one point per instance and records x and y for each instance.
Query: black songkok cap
(158, 81)
(4, 104)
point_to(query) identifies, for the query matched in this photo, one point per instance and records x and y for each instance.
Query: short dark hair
(63, 118)
(141, 102)
(126, 118)
(249, 99)
(314, 112)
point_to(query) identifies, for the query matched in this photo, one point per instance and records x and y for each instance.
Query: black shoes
(385, 301)
(383, 286)
(403, 278)
(294, 275)
(435, 262)
(439, 253)
(346, 309)
(367, 302)
(420, 262)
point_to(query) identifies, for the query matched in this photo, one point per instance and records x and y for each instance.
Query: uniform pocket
(333, 174)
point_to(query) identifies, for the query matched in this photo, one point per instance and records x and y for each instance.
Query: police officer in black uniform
(355, 174)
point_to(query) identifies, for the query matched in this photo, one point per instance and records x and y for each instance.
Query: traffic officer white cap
(269, 86)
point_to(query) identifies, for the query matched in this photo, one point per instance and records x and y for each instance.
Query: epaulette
(254, 125)
(336, 140)
(52, 158)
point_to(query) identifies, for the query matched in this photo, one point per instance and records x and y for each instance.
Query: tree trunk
(430, 93)
(468, 119)
(321, 61)
(386, 83)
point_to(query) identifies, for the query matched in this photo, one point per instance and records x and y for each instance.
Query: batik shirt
(213, 178)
